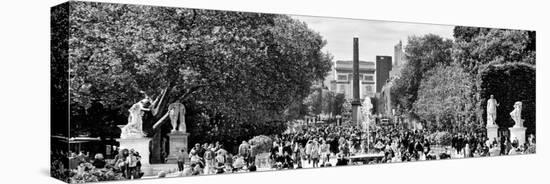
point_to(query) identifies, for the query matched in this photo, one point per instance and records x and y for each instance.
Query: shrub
(264, 143)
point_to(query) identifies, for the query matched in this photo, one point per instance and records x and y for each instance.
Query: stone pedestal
(178, 141)
(141, 145)
(518, 132)
(492, 132)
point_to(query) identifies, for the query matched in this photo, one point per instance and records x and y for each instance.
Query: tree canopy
(444, 96)
(422, 54)
(243, 68)
(475, 46)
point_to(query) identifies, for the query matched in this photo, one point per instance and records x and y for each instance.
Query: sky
(376, 38)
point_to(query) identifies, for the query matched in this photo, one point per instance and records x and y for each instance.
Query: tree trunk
(156, 148)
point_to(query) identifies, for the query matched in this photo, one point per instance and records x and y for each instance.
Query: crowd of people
(319, 145)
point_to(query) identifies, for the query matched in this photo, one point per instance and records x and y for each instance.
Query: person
(198, 150)
(308, 150)
(253, 153)
(181, 159)
(73, 161)
(194, 157)
(324, 150)
(467, 151)
(503, 145)
(229, 162)
(131, 161)
(139, 174)
(274, 152)
(494, 150)
(287, 161)
(98, 161)
(315, 153)
(244, 150)
(209, 160)
(341, 158)
(198, 170)
(120, 162)
(189, 170)
(220, 168)
(298, 155)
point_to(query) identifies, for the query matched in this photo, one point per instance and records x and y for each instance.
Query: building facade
(341, 77)
(383, 68)
(399, 60)
(384, 102)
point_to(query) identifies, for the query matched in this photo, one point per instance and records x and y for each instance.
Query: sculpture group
(134, 127)
(492, 105)
(517, 131)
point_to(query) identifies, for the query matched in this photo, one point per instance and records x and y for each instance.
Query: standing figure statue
(492, 111)
(516, 114)
(176, 112)
(134, 128)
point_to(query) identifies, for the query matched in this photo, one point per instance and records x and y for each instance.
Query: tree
(314, 101)
(235, 72)
(475, 47)
(338, 105)
(422, 54)
(445, 97)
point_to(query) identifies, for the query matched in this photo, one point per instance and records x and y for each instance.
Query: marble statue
(134, 128)
(492, 111)
(516, 114)
(176, 113)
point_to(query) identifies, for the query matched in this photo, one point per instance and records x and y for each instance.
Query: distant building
(383, 67)
(384, 102)
(341, 77)
(399, 60)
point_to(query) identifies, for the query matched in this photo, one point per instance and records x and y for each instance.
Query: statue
(134, 127)
(176, 111)
(516, 114)
(492, 111)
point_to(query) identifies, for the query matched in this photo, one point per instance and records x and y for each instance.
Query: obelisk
(356, 101)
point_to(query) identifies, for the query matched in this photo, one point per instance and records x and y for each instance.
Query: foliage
(263, 143)
(59, 69)
(338, 104)
(96, 175)
(445, 97)
(314, 101)
(509, 83)
(320, 100)
(233, 71)
(422, 54)
(346, 107)
(476, 46)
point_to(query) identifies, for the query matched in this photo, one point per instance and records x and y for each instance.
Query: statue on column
(176, 113)
(516, 114)
(491, 111)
